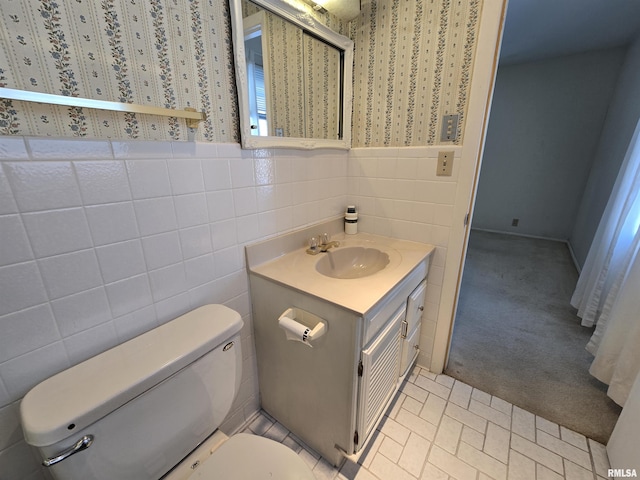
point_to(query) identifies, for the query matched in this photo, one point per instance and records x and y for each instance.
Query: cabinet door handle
(405, 326)
(421, 308)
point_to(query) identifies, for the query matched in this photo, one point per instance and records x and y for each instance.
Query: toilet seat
(250, 457)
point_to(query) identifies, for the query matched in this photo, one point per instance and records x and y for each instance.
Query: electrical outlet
(445, 164)
(514, 222)
(449, 128)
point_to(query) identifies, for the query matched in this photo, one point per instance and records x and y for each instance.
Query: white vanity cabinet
(333, 394)
(332, 389)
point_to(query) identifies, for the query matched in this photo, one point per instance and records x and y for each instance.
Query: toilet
(150, 408)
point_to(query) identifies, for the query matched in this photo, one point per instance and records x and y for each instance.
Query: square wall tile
(173, 307)
(191, 209)
(148, 178)
(242, 173)
(10, 426)
(168, 281)
(81, 311)
(27, 330)
(245, 201)
(43, 185)
(264, 170)
(217, 174)
(199, 270)
(20, 287)
(121, 260)
(103, 181)
(196, 241)
(114, 222)
(5, 399)
(70, 273)
(266, 197)
(22, 373)
(185, 176)
(220, 205)
(18, 461)
(227, 261)
(7, 202)
(162, 250)
(57, 231)
(89, 343)
(14, 244)
(223, 234)
(129, 295)
(156, 215)
(135, 323)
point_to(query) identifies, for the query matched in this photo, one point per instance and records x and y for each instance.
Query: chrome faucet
(324, 245)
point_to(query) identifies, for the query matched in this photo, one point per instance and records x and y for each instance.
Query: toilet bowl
(243, 457)
(150, 408)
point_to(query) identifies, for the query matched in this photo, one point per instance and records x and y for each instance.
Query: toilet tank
(147, 402)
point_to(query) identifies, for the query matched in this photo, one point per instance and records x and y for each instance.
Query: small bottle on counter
(351, 220)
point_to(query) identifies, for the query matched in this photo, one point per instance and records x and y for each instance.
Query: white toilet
(150, 408)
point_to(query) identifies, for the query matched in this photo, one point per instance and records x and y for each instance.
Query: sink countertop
(297, 269)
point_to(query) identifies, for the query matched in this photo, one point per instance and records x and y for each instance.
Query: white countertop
(297, 269)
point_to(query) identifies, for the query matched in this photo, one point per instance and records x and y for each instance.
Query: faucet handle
(325, 238)
(313, 246)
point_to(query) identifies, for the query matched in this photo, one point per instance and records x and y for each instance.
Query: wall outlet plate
(445, 164)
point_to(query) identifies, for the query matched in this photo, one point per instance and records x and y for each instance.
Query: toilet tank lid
(79, 396)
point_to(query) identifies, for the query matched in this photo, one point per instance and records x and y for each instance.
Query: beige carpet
(517, 337)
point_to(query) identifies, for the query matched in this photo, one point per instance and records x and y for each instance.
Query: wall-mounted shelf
(190, 114)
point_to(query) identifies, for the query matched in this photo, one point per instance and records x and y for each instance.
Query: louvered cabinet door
(379, 380)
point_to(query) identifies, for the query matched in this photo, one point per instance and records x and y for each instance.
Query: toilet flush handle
(82, 444)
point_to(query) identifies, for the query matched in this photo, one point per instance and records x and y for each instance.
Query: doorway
(547, 116)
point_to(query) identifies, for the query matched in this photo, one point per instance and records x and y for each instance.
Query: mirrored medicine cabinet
(294, 77)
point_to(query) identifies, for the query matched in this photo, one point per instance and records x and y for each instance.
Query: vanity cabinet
(331, 352)
(333, 393)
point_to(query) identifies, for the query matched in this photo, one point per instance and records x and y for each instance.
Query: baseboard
(563, 240)
(573, 257)
(566, 242)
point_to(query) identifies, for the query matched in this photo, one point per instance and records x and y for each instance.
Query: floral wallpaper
(413, 61)
(285, 97)
(164, 53)
(303, 76)
(322, 89)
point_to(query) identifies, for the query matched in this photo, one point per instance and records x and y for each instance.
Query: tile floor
(439, 428)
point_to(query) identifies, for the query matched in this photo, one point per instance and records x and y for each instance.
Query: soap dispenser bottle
(351, 220)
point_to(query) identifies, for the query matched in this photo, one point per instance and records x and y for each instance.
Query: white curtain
(608, 290)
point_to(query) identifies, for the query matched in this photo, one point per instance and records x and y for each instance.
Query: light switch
(445, 164)
(449, 128)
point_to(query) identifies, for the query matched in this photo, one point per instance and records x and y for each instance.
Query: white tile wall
(398, 194)
(101, 241)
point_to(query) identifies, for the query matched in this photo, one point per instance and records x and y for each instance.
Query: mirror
(293, 76)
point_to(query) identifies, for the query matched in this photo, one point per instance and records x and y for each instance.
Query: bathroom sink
(352, 262)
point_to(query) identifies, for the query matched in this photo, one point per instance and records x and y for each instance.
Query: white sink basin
(352, 262)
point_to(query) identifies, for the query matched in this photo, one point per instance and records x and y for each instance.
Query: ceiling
(539, 29)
